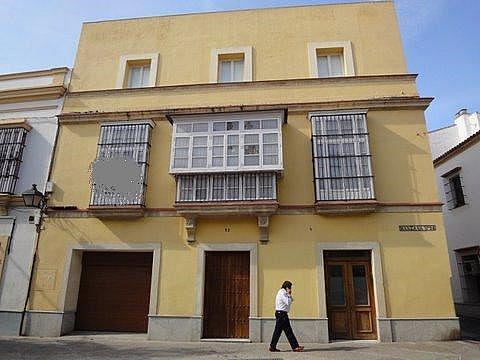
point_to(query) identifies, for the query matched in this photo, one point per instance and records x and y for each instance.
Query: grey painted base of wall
(175, 328)
(10, 323)
(48, 324)
(420, 329)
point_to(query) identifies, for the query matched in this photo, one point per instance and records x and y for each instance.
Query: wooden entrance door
(227, 295)
(350, 298)
(114, 292)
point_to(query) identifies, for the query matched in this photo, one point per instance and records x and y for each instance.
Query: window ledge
(253, 207)
(350, 207)
(117, 212)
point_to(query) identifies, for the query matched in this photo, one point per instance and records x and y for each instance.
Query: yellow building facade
(203, 159)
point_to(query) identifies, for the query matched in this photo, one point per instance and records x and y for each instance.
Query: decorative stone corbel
(262, 222)
(191, 227)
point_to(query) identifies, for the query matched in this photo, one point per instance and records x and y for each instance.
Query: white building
(456, 151)
(29, 105)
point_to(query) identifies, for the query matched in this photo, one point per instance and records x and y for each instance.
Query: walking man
(282, 307)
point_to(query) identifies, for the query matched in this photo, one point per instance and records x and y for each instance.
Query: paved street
(137, 347)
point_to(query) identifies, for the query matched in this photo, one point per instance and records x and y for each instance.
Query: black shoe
(273, 349)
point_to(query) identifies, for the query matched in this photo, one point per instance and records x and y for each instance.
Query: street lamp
(34, 198)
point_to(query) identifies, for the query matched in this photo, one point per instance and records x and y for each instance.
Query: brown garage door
(114, 291)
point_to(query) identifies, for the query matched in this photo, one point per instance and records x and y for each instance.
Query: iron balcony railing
(226, 187)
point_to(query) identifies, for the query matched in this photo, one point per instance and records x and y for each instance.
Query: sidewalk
(119, 347)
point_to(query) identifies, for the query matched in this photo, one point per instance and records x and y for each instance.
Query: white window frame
(241, 118)
(347, 54)
(329, 64)
(232, 69)
(142, 75)
(123, 75)
(247, 61)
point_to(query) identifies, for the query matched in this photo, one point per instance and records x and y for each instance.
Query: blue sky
(441, 39)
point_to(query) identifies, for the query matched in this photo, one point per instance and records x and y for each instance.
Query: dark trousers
(283, 324)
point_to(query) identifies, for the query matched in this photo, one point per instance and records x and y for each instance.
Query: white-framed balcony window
(119, 174)
(227, 143)
(342, 164)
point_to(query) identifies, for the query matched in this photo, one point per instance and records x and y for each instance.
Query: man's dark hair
(286, 285)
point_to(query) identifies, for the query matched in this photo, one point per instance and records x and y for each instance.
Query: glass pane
(270, 138)
(146, 75)
(251, 124)
(336, 65)
(219, 126)
(251, 160)
(269, 124)
(199, 151)
(251, 139)
(322, 64)
(200, 141)
(232, 139)
(336, 292)
(270, 149)
(200, 127)
(224, 71)
(232, 125)
(238, 70)
(217, 151)
(181, 142)
(181, 153)
(360, 284)
(217, 161)
(180, 163)
(218, 140)
(184, 128)
(251, 149)
(199, 162)
(270, 159)
(135, 77)
(232, 160)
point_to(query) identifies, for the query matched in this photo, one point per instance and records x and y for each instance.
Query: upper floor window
(119, 174)
(231, 68)
(341, 153)
(232, 64)
(330, 65)
(453, 184)
(138, 75)
(12, 142)
(137, 71)
(330, 59)
(222, 143)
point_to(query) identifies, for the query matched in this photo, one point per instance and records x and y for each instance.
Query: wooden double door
(226, 307)
(350, 296)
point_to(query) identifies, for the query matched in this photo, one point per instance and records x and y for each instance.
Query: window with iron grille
(12, 142)
(226, 187)
(341, 156)
(469, 271)
(454, 192)
(119, 146)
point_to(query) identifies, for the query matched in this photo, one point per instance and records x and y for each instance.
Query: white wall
(444, 139)
(37, 156)
(462, 224)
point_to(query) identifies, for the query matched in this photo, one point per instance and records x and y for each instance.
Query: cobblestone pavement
(121, 347)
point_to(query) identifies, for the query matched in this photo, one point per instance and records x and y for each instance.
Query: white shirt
(283, 300)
